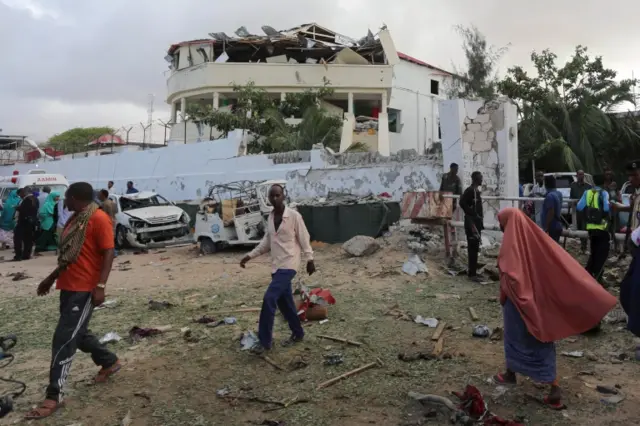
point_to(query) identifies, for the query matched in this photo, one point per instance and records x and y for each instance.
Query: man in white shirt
(538, 191)
(286, 238)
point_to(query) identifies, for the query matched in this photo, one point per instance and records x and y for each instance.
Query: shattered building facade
(388, 100)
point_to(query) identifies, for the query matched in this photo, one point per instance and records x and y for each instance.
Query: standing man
(577, 190)
(538, 191)
(43, 195)
(286, 238)
(612, 188)
(84, 262)
(26, 225)
(595, 205)
(131, 189)
(552, 209)
(109, 185)
(63, 216)
(109, 207)
(451, 183)
(471, 204)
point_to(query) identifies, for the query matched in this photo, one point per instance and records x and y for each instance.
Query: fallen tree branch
(338, 339)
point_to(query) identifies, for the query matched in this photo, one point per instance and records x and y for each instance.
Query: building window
(395, 125)
(435, 87)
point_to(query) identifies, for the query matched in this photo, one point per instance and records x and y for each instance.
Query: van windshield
(60, 189)
(563, 182)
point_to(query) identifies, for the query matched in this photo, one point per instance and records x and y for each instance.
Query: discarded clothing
(313, 297)
(630, 294)
(524, 353)
(137, 333)
(555, 296)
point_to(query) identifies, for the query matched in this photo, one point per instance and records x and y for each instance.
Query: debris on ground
(339, 339)
(616, 316)
(225, 393)
(361, 245)
(573, 354)
(107, 304)
(395, 312)
(377, 363)
(333, 359)
(313, 303)
(424, 240)
(136, 333)
(409, 357)
(472, 408)
(496, 334)
(481, 331)
(189, 336)
(159, 306)
(126, 421)
(205, 319)
(248, 340)
(474, 315)
(429, 322)
(224, 321)
(112, 336)
(414, 265)
(298, 362)
(18, 276)
(440, 296)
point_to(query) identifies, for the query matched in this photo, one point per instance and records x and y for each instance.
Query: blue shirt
(582, 204)
(521, 189)
(553, 200)
(132, 190)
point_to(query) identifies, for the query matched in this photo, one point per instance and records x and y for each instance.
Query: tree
(565, 113)
(76, 139)
(480, 78)
(265, 118)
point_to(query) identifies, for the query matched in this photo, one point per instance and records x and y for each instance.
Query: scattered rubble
(481, 331)
(361, 245)
(414, 265)
(339, 199)
(333, 359)
(110, 337)
(18, 276)
(159, 306)
(429, 322)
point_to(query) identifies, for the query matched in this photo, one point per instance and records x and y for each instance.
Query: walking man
(286, 238)
(131, 189)
(451, 183)
(552, 209)
(595, 205)
(577, 190)
(84, 262)
(471, 204)
(110, 209)
(26, 225)
(538, 191)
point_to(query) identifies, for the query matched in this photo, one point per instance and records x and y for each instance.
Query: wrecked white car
(146, 218)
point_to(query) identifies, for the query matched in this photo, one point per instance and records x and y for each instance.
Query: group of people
(30, 216)
(546, 295)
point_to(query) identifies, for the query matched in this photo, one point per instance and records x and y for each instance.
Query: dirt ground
(170, 381)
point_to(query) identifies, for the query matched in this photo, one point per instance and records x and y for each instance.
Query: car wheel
(207, 246)
(121, 237)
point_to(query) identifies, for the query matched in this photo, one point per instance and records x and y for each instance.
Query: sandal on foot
(500, 379)
(105, 373)
(292, 341)
(46, 409)
(257, 349)
(557, 405)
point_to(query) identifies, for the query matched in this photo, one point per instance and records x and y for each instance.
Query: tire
(207, 246)
(121, 237)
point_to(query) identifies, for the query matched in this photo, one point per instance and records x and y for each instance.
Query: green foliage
(264, 117)
(480, 79)
(76, 140)
(565, 113)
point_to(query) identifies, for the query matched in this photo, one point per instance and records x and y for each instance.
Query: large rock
(361, 245)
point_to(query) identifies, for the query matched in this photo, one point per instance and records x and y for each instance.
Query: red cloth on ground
(472, 403)
(306, 301)
(554, 294)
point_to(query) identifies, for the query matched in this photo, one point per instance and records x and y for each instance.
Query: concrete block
(474, 127)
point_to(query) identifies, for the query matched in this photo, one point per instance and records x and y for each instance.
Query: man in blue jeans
(552, 209)
(286, 238)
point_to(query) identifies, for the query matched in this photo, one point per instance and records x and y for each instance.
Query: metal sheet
(426, 205)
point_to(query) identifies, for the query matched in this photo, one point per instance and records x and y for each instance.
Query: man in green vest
(595, 205)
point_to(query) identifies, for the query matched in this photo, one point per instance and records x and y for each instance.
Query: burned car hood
(156, 214)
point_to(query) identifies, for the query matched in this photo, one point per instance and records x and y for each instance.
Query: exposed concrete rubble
(361, 245)
(305, 44)
(338, 199)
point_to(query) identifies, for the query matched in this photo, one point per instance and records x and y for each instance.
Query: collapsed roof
(309, 43)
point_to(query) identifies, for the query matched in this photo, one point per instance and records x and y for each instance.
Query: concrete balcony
(217, 77)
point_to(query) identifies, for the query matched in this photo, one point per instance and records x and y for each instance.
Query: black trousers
(581, 225)
(473, 249)
(23, 239)
(71, 334)
(599, 252)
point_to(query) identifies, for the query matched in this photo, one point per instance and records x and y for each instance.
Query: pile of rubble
(340, 199)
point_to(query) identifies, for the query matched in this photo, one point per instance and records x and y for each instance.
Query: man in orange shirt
(84, 262)
(286, 238)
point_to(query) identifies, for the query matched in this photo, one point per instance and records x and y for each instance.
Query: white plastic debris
(574, 354)
(107, 304)
(112, 336)
(414, 265)
(249, 339)
(429, 322)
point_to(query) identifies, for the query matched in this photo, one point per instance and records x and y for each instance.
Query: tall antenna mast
(149, 138)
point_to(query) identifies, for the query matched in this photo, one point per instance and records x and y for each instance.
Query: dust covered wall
(483, 136)
(395, 178)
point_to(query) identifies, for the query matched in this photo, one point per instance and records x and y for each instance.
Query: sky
(70, 63)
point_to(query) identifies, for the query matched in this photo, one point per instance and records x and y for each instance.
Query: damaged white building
(388, 100)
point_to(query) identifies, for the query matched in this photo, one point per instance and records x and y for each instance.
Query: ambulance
(35, 179)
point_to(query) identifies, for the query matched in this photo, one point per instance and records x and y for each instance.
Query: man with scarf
(85, 257)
